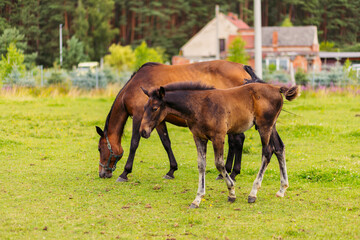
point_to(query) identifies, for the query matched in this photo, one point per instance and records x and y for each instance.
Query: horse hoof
(120, 179)
(231, 200)
(280, 194)
(168, 177)
(220, 177)
(251, 199)
(193, 206)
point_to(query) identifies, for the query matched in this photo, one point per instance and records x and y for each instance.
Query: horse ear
(145, 91)
(162, 92)
(99, 131)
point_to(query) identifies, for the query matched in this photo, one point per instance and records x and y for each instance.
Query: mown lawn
(49, 184)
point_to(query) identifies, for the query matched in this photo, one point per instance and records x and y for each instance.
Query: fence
(329, 76)
(38, 77)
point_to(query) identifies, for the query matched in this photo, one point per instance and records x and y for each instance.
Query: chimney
(275, 39)
(232, 15)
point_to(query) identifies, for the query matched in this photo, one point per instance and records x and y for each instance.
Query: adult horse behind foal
(130, 101)
(211, 114)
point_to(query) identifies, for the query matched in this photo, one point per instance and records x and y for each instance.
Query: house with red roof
(283, 47)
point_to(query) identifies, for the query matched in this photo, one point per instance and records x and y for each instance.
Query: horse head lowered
(108, 157)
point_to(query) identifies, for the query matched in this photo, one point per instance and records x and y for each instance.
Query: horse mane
(148, 64)
(190, 86)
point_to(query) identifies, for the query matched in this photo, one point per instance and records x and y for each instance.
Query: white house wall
(203, 44)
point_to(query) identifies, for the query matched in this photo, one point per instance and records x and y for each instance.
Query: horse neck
(179, 105)
(116, 122)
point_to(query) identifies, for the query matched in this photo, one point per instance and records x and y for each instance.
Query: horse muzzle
(105, 174)
(145, 133)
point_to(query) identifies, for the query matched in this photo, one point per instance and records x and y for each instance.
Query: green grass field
(49, 184)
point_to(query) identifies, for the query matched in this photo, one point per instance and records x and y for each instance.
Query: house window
(284, 64)
(278, 63)
(222, 44)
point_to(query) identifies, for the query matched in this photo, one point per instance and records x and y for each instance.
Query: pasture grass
(49, 184)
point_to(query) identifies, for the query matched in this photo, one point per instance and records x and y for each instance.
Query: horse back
(242, 107)
(220, 74)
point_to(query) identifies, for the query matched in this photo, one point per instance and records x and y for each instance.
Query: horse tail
(290, 93)
(254, 78)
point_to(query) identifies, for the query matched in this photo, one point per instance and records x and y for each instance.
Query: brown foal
(212, 113)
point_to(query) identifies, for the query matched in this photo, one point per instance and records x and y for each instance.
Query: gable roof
(237, 22)
(290, 36)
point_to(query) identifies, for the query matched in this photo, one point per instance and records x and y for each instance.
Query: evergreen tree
(3, 25)
(161, 23)
(29, 24)
(11, 35)
(81, 24)
(51, 16)
(74, 53)
(100, 32)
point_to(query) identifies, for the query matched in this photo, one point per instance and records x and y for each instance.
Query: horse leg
(218, 145)
(239, 143)
(135, 139)
(164, 137)
(267, 152)
(201, 145)
(236, 142)
(279, 149)
(230, 156)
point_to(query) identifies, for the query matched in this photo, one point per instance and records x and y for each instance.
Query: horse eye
(154, 109)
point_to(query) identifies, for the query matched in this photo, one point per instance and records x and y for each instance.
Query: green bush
(14, 59)
(276, 76)
(272, 68)
(110, 75)
(237, 51)
(328, 46)
(144, 54)
(16, 78)
(287, 22)
(121, 58)
(301, 77)
(335, 76)
(56, 78)
(88, 80)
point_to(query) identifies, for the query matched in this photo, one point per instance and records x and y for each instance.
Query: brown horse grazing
(130, 101)
(211, 114)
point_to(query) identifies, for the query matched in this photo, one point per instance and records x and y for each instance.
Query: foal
(212, 113)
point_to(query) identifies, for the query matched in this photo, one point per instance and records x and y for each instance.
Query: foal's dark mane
(148, 64)
(183, 86)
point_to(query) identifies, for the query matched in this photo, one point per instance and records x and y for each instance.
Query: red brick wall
(300, 62)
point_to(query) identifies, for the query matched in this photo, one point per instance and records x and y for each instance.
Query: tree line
(33, 25)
